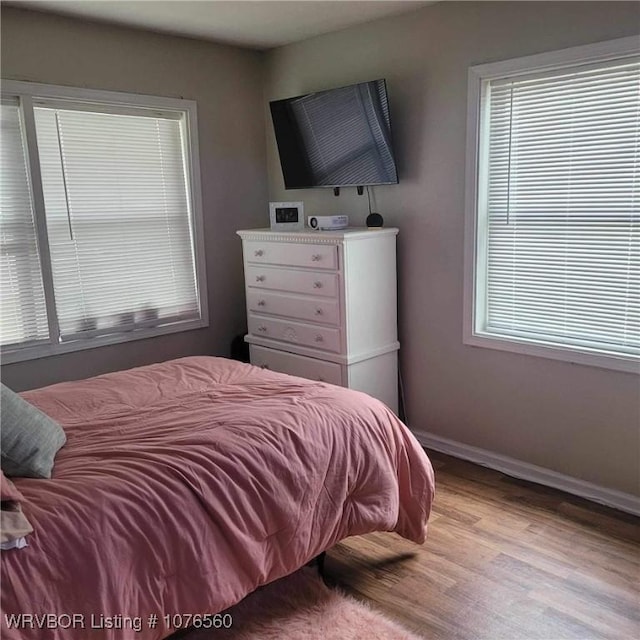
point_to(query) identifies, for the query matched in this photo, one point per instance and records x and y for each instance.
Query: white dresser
(322, 305)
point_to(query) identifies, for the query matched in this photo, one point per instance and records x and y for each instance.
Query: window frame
(30, 92)
(475, 225)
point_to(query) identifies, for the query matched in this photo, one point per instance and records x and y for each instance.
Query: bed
(185, 485)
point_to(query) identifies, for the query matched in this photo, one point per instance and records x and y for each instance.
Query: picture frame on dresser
(323, 306)
(286, 216)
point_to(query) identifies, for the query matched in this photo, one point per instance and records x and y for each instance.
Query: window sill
(573, 355)
(47, 350)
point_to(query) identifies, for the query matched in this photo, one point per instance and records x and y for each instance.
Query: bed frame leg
(318, 561)
(321, 559)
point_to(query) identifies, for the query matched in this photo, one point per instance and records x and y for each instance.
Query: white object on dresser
(323, 305)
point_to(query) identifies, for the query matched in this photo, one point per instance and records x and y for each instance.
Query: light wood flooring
(505, 559)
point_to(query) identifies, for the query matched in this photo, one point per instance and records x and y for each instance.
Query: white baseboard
(516, 468)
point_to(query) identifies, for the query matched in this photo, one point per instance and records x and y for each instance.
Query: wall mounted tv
(335, 138)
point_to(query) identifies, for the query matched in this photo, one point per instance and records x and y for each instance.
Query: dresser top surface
(310, 235)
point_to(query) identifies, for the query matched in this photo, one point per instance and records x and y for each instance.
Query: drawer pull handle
(319, 339)
(317, 285)
(262, 329)
(316, 257)
(261, 303)
(319, 312)
(258, 253)
(260, 278)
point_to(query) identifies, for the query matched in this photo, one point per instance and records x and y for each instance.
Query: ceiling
(256, 24)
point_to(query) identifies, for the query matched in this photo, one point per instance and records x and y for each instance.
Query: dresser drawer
(321, 310)
(322, 338)
(316, 256)
(309, 282)
(296, 365)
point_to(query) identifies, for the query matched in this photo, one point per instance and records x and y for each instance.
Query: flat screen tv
(335, 138)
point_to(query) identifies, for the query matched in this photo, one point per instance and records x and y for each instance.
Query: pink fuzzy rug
(302, 607)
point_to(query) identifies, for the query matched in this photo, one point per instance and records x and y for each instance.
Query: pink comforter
(185, 485)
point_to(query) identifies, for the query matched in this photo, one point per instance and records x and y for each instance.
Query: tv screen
(335, 138)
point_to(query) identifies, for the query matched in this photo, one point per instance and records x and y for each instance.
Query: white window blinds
(100, 219)
(23, 316)
(118, 217)
(559, 208)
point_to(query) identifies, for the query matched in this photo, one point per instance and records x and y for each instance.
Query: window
(553, 205)
(100, 224)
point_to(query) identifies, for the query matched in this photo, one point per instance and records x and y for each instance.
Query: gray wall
(226, 82)
(577, 420)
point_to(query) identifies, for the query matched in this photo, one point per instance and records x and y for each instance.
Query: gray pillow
(29, 439)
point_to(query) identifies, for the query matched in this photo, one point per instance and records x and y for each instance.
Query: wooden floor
(505, 559)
